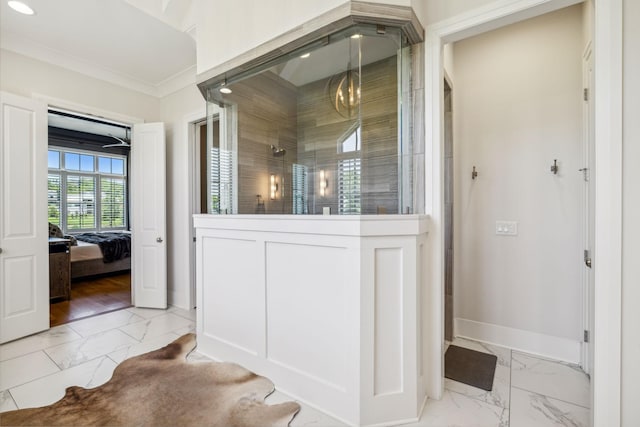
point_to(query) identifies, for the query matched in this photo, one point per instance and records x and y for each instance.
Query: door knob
(159, 239)
(0, 250)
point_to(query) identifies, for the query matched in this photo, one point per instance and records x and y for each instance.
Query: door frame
(191, 121)
(586, 350)
(607, 42)
(86, 110)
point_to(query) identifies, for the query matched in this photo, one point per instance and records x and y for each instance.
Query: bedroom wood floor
(93, 297)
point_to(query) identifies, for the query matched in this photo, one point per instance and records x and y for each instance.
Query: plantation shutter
(54, 199)
(349, 186)
(112, 202)
(300, 188)
(221, 181)
(81, 202)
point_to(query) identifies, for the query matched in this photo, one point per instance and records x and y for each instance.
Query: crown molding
(176, 82)
(22, 46)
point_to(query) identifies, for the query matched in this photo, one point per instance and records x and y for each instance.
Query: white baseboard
(529, 342)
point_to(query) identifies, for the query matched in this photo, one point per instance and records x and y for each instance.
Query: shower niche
(326, 127)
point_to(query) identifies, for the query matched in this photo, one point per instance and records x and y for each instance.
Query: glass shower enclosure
(326, 128)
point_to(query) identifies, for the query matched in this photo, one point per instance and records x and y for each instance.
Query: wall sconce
(273, 187)
(324, 183)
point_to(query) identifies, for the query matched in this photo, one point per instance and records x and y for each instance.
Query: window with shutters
(349, 186)
(221, 180)
(349, 173)
(300, 188)
(87, 191)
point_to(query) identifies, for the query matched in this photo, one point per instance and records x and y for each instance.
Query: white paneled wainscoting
(328, 307)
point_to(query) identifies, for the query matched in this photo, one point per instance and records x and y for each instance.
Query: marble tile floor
(528, 390)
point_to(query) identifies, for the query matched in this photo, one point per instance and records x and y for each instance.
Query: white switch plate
(507, 228)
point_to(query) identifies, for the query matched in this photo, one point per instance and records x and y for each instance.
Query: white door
(24, 256)
(148, 222)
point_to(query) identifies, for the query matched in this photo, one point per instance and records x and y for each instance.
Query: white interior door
(24, 256)
(148, 222)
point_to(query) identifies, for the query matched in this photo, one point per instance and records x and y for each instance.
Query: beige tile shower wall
(266, 116)
(320, 126)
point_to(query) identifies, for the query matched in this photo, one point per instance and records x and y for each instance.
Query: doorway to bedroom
(88, 213)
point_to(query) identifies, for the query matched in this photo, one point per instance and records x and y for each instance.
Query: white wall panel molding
(325, 306)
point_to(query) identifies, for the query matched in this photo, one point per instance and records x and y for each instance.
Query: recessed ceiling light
(356, 36)
(20, 7)
(306, 55)
(225, 90)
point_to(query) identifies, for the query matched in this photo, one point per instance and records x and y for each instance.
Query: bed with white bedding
(88, 259)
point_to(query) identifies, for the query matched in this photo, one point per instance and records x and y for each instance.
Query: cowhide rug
(161, 388)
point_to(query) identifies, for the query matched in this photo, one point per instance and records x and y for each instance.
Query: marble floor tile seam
(13, 399)
(181, 312)
(500, 408)
(129, 335)
(172, 328)
(574, 366)
(35, 379)
(28, 353)
(547, 396)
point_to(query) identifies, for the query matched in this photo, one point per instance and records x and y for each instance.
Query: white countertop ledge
(327, 225)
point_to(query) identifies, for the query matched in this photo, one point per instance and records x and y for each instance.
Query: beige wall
(517, 107)
(631, 216)
(31, 78)
(176, 110)
(226, 30)
(435, 11)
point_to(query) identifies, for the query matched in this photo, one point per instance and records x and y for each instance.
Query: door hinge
(585, 336)
(587, 258)
(585, 93)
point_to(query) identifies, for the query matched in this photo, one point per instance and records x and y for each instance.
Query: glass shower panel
(323, 127)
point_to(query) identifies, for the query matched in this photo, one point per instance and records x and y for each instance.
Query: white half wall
(517, 106)
(326, 306)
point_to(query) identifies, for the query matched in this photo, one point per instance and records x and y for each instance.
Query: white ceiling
(334, 58)
(110, 39)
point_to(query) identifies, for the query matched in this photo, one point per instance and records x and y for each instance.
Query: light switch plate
(507, 228)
